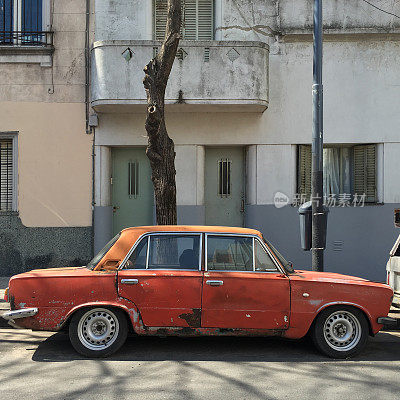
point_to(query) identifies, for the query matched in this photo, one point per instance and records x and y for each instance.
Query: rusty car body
(196, 280)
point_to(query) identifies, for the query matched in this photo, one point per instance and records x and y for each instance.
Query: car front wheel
(340, 332)
(98, 332)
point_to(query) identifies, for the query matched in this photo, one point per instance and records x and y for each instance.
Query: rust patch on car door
(193, 319)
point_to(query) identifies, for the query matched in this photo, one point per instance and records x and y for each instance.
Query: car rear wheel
(340, 332)
(98, 332)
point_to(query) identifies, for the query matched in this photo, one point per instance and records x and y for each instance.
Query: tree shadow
(57, 348)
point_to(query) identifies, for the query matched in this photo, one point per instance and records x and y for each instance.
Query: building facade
(239, 110)
(45, 153)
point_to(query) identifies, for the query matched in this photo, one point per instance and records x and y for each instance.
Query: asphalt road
(44, 366)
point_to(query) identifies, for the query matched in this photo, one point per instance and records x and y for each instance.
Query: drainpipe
(87, 67)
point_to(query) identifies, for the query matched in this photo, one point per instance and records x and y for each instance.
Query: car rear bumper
(389, 322)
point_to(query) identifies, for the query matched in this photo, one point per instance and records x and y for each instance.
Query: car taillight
(6, 294)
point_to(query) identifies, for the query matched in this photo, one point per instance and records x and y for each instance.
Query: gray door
(132, 189)
(224, 186)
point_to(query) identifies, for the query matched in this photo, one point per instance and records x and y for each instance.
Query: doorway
(132, 188)
(224, 186)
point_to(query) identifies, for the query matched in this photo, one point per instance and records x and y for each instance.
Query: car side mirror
(397, 217)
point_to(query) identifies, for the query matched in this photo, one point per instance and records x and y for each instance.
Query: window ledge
(27, 54)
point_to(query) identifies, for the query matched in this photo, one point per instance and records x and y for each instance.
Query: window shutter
(160, 19)
(6, 174)
(304, 170)
(205, 20)
(189, 19)
(365, 171)
(197, 19)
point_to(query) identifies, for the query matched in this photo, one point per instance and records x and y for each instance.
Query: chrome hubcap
(98, 329)
(342, 331)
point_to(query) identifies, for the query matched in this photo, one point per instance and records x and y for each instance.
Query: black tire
(340, 331)
(98, 332)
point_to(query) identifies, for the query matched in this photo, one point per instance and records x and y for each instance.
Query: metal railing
(31, 38)
(21, 24)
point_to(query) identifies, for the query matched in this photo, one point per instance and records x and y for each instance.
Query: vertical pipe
(317, 145)
(87, 54)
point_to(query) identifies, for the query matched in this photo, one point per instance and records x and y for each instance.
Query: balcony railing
(26, 38)
(226, 76)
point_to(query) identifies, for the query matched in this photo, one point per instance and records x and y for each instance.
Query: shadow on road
(57, 348)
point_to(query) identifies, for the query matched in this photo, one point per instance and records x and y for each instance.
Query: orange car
(196, 280)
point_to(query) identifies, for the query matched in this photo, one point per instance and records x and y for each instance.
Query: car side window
(137, 260)
(263, 261)
(174, 252)
(229, 253)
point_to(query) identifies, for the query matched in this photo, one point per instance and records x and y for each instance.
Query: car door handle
(130, 281)
(215, 283)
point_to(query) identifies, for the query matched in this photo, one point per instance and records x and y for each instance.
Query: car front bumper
(11, 316)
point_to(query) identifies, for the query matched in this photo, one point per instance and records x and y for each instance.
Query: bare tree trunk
(160, 147)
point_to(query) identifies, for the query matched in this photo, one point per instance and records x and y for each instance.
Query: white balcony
(208, 76)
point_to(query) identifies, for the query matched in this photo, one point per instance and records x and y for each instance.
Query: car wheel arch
(348, 304)
(129, 312)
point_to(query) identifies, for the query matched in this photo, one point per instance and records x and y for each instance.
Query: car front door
(242, 286)
(163, 278)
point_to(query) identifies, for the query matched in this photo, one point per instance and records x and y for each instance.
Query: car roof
(192, 228)
(129, 236)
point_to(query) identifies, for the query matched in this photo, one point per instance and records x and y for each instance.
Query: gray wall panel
(358, 242)
(191, 215)
(102, 226)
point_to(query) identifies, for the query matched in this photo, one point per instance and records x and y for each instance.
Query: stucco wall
(54, 162)
(45, 105)
(360, 101)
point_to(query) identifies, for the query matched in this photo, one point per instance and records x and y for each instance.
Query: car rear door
(163, 278)
(242, 286)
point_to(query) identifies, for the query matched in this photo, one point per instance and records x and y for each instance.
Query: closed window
(174, 252)
(263, 261)
(197, 19)
(138, 258)
(8, 184)
(224, 178)
(229, 253)
(21, 22)
(348, 170)
(133, 179)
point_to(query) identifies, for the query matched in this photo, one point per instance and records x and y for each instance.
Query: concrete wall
(233, 77)
(259, 20)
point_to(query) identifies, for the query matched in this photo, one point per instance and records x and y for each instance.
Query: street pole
(317, 145)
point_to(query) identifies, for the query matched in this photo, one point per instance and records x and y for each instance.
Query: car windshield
(92, 264)
(286, 264)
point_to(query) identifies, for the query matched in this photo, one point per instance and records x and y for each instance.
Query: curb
(4, 307)
(4, 324)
